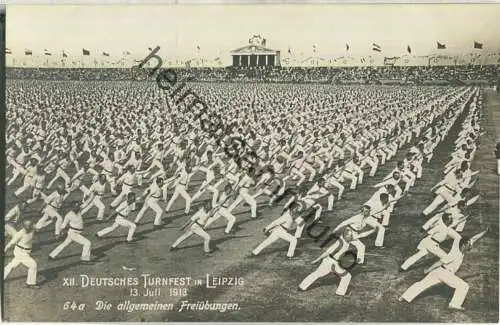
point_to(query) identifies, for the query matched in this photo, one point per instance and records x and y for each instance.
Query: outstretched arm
(327, 252)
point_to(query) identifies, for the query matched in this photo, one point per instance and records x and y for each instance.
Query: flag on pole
(126, 53)
(264, 42)
(408, 48)
(314, 48)
(376, 47)
(346, 47)
(478, 45)
(85, 52)
(46, 52)
(105, 54)
(64, 55)
(28, 52)
(441, 46)
(290, 51)
(8, 51)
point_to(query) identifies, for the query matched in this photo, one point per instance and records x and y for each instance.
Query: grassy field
(270, 289)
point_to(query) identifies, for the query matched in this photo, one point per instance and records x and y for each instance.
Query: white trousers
(49, 213)
(352, 178)
(60, 173)
(119, 221)
(96, 202)
(74, 236)
(373, 163)
(338, 185)
(152, 203)
(426, 246)
(442, 194)
(122, 196)
(327, 266)
(180, 190)
(439, 275)
(248, 199)
(198, 230)
(278, 233)
(22, 256)
(222, 212)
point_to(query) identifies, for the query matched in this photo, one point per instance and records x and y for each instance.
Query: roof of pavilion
(253, 49)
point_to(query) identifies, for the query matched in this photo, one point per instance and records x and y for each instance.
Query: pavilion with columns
(255, 55)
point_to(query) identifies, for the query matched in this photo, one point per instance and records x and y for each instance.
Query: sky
(218, 29)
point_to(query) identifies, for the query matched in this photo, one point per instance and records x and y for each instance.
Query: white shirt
(97, 188)
(200, 216)
(73, 220)
(124, 209)
(155, 191)
(455, 264)
(338, 249)
(54, 200)
(23, 239)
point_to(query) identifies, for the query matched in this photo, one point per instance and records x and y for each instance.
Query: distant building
(255, 55)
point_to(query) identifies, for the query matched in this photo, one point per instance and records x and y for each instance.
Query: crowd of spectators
(343, 75)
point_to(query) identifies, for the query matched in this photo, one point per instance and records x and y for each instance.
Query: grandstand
(487, 75)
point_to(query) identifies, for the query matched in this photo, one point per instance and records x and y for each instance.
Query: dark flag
(198, 47)
(347, 47)
(28, 52)
(290, 51)
(8, 51)
(85, 52)
(264, 42)
(150, 49)
(64, 55)
(105, 54)
(126, 53)
(314, 48)
(408, 48)
(46, 52)
(441, 46)
(376, 47)
(478, 45)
